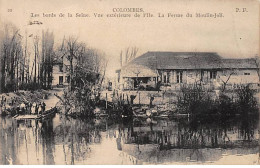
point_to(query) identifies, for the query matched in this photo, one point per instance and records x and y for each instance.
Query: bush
(225, 105)
(193, 99)
(196, 101)
(246, 102)
(30, 86)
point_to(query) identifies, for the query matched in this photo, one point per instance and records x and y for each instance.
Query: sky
(235, 35)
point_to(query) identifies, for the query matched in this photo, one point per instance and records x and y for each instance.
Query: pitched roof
(189, 60)
(239, 63)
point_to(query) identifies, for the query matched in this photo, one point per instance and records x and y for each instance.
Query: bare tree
(15, 59)
(225, 80)
(257, 62)
(47, 59)
(10, 56)
(72, 48)
(129, 54)
(87, 72)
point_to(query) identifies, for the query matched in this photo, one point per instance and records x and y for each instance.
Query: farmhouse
(61, 71)
(170, 70)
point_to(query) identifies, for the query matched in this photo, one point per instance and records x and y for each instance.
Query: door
(60, 80)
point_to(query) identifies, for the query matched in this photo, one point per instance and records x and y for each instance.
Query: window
(67, 68)
(61, 68)
(166, 77)
(213, 74)
(179, 77)
(246, 73)
(67, 79)
(201, 75)
(60, 80)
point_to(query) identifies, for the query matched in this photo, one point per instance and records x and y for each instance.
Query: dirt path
(52, 99)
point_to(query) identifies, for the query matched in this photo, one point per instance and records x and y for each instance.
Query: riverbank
(13, 99)
(160, 97)
(187, 101)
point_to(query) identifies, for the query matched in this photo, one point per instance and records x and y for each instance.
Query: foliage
(87, 71)
(196, 101)
(17, 69)
(246, 102)
(10, 56)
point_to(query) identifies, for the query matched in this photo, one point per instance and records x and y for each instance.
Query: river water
(64, 140)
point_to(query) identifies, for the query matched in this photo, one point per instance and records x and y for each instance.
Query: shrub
(193, 99)
(225, 105)
(246, 102)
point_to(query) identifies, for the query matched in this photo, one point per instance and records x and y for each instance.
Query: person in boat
(43, 107)
(12, 101)
(22, 108)
(18, 110)
(33, 109)
(29, 107)
(2, 100)
(2, 108)
(39, 109)
(26, 107)
(1, 105)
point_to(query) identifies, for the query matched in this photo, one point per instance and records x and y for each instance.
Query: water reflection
(64, 140)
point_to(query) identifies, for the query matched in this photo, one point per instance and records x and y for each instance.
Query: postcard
(140, 82)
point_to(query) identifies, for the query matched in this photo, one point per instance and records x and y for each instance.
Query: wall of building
(211, 79)
(57, 73)
(243, 76)
(185, 76)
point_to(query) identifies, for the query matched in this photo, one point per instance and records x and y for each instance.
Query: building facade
(170, 70)
(61, 72)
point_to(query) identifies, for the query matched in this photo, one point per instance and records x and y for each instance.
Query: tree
(15, 60)
(11, 53)
(87, 71)
(257, 62)
(47, 59)
(129, 54)
(227, 75)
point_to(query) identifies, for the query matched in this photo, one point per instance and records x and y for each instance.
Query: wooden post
(106, 100)
(139, 98)
(169, 105)
(163, 95)
(120, 99)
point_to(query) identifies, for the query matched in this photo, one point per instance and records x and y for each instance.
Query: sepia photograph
(120, 82)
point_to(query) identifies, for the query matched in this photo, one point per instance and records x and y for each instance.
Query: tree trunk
(71, 71)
